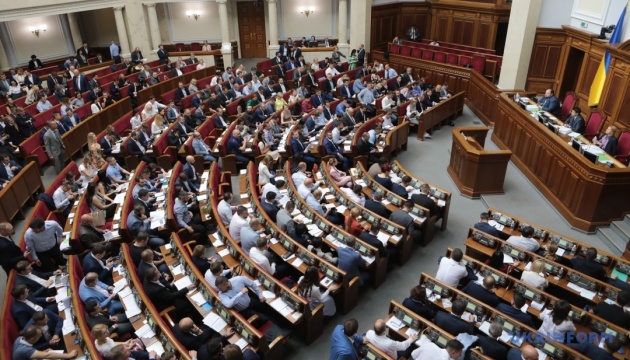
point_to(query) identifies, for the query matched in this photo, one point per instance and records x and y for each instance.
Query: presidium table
(589, 188)
(474, 170)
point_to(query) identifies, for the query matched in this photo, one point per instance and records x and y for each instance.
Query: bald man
(526, 352)
(189, 170)
(193, 336)
(10, 253)
(395, 349)
(89, 234)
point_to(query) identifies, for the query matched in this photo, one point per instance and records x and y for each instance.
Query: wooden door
(251, 27)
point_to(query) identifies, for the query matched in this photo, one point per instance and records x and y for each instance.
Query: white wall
(50, 44)
(105, 32)
(383, 2)
(183, 28)
(596, 14)
(555, 13)
(296, 25)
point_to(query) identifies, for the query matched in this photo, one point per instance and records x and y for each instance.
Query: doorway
(251, 28)
(572, 71)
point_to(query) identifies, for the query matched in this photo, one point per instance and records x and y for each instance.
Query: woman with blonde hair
(32, 95)
(147, 112)
(315, 64)
(93, 146)
(535, 276)
(280, 102)
(87, 169)
(104, 344)
(294, 97)
(339, 177)
(264, 147)
(285, 117)
(158, 126)
(352, 224)
(264, 174)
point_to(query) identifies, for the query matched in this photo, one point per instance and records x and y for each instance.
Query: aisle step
(611, 237)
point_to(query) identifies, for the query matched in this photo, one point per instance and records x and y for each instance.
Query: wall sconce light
(193, 14)
(36, 29)
(307, 10)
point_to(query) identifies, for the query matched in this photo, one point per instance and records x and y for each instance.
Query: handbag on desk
(98, 217)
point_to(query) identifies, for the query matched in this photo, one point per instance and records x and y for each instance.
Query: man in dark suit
(117, 323)
(588, 265)
(81, 83)
(280, 73)
(483, 293)
(366, 148)
(296, 53)
(311, 81)
(34, 63)
(136, 56)
(8, 168)
(346, 91)
(162, 54)
(86, 50)
(269, 205)
(52, 80)
(192, 336)
(361, 55)
(31, 79)
(332, 149)
(88, 234)
(134, 89)
(615, 313)
(164, 296)
(71, 119)
(407, 77)
(426, 202)
(549, 102)
(134, 148)
(453, 323)
(93, 262)
(514, 310)
(490, 344)
(37, 282)
(51, 326)
(181, 92)
(376, 207)
(485, 227)
(285, 51)
(236, 146)
(370, 237)
(594, 352)
(350, 261)
(188, 185)
(329, 84)
(107, 143)
(24, 305)
(10, 253)
(576, 121)
(402, 218)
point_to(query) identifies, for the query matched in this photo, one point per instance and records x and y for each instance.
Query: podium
(474, 170)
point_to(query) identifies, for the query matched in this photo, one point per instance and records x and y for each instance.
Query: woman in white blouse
(147, 112)
(556, 321)
(15, 91)
(32, 95)
(135, 120)
(315, 64)
(264, 174)
(104, 343)
(536, 275)
(95, 107)
(201, 65)
(294, 97)
(308, 287)
(87, 169)
(158, 126)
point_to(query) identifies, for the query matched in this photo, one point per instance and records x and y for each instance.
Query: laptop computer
(313, 44)
(576, 145)
(592, 157)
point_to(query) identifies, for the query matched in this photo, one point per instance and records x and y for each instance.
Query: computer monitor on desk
(313, 44)
(551, 128)
(592, 157)
(576, 145)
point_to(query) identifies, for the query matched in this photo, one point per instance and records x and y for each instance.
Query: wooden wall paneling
(443, 26)
(385, 25)
(589, 69)
(614, 89)
(547, 57)
(622, 115)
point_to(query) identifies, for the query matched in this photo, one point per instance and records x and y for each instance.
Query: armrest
(165, 314)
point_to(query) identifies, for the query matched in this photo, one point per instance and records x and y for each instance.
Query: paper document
(110, 235)
(182, 283)
(269, 295)
(157, 347)
(215, 322)
(341, 209)
(395, 324)
(224, 252)
(198, 299)
(242, 343)
(507, 259)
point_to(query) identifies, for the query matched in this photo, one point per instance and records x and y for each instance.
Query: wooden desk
(474, 170)
(437, 115)
(585, 194)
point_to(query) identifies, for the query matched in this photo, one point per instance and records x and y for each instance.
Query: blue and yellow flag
(600, 78)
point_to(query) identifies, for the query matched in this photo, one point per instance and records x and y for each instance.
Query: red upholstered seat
(416, 53)
(594, 124)
(405, 51)
(439, 57)
(567, 105)
(623, 147)
(394, 48)
(427, 54)
(452, 59)
(478, 62)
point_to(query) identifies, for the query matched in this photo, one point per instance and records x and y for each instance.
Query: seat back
(623, 147)
(427, 54)
(478, 62)
(594, 124)
(394, 48)
(439, 57)
(405, 51)
(567, 105)
(452, 59)
(416, 52)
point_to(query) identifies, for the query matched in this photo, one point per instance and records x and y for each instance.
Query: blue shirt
(114, 172)
(341, 347)
(341, 109)
(249, 238)
(45, 240)
(233, 298)
(113, 50)
(366, 96)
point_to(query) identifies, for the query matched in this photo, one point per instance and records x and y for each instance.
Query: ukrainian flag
(600, 78)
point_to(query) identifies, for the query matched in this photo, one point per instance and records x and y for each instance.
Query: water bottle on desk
(574, 250)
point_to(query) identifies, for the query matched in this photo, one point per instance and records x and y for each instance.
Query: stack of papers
(120, 198)
(110, 235)
(242, 343)
(423, 340)
(394, 323)
(583, 292)
(297, 262)
(131, 307)
(215, 322)
(119, 285)
(280, 306)
(507, 259)
(268, 295)
(126, 291)
(198, 299)
(145, 332)
(341, 209)
(382, 237)
(182, 283)
(157, 347)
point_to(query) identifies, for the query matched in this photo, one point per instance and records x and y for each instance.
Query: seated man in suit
(550, 103)
(366, 148)
(24, 305)
(270, 206)
(51, 326)
(576, 121)
(241, 294)
(135, 148)
(485, 227)
(93, 262)
(9, 168)
(425, 201)
(402, 218)
(93, 289)
(38, 283)
(588, 265)
(185, 219)
(514, 310)
(370, 237)
(376, 207)
(192, 336)
(483, 293)
(453, 323)
(237, 146)
(201, 148)
(615, 313)
(90, 235)
(162, 296)
(592, 351)
(116, 322)
(332, 149)
(490, 344)
(175, 138)
(351, 262)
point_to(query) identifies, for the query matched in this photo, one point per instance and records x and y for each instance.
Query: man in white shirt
(300, 175)
(63, 196)
(331, 70)
(216, 269)
(226, 210)
(156, 105)
(378, 337)
(269, 187)
(258, 256)
(525, 241)
(450, 270)
(306, 189)
(241, 219)
(430, 351)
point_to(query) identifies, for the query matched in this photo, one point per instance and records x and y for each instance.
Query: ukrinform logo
(569, 337)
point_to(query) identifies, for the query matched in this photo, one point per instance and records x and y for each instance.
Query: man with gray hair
(490, 344)
(185, 218)
(395, 349)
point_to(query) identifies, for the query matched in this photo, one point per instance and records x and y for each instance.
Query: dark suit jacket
(280, 71)
(35, 289)
(591, 351)
(453, 324)
(201, 263)
(426, 202)
(346, 92)
(193, 342)
(55, 327)
(181, 93)
(22, 313)
(331, 148)
(317, 100)
(364, 147)
(374, 241)
(233, 146)
(36, 80)
(611, 145)
(492, 347)
(376, 208)
(576, 123)
(487, 228)
(418, 308)
(163, 297)
(90, 264)
(142, 269)
(10, 254)
(3, 171)
(589, 267)
(133, 148)
(189, 185)
(147, 206)
(81, 79)
(34, 64)
(480, 293)
(270, 209)
(136, 56)
(328, 86)
(400, 191)
(613, 313)
(515, 313)
(98, 319)
(89, 236)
